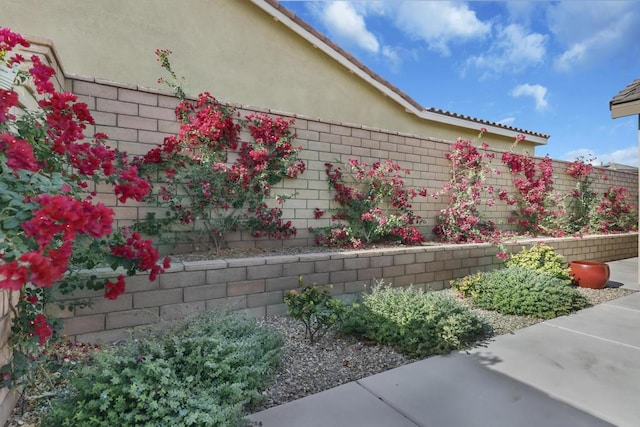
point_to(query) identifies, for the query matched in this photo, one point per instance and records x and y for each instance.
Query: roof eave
(624, 109)
(272, 8)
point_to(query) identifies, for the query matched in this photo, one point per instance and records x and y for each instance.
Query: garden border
(256, 285)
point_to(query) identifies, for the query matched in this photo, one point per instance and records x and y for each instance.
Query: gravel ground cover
(311, 368)
(308, 369)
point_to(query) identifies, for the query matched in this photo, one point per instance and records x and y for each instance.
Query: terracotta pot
(590, 274)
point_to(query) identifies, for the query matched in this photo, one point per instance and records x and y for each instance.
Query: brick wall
(138, 119)
(256, 285)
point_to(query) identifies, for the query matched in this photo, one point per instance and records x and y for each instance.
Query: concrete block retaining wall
(137, 120)
(256, 285)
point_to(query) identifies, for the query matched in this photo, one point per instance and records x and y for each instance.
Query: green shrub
(467, 286)
(542, 258)
(314, 306)
(418, 323)
(522, 291)
(202, 374)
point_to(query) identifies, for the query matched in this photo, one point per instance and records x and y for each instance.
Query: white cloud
(583, 153)
(594, 31)
(537, 92)
(513, 50)
(521, 10)
(625, 156)
(392, 57)
(345, 23)
(438, 23)
(506, 121)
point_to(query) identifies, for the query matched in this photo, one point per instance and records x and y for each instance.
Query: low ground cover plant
(524, 292)
(204, 373)
(535, 282)
(418, 323)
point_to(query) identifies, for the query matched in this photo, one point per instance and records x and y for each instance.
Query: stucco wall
(229, 47)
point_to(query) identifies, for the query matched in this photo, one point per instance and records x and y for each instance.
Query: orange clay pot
(590, 274)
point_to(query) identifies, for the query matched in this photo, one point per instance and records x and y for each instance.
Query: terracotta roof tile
(275, 4)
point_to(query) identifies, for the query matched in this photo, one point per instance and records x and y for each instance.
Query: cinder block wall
(138, 119)
(28, 100)
(256, 285)
(8, 398)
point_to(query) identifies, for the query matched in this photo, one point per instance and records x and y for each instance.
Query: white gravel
(311, 368)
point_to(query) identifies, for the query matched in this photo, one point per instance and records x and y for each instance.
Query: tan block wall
(8, 398)
(138, 119)
(256, 286)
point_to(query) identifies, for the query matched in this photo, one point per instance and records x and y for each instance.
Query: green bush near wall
(526, 292)
(203, 374)
(418, 323)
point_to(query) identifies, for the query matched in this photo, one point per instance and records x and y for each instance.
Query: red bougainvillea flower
(41, 328)
(12, 276)
(19, 152)
(40, 268)
(114, 290)
(8, 99)
(42, 74)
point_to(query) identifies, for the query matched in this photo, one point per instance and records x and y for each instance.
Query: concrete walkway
(580, 370)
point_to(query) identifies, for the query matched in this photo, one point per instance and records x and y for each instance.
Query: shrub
(462, 220)
(419, 323)
(202, 374)
(314, 306)
(219, 171)
(527, 292)
(467, 286)
(373, 205)
(541, 258)
(540, 209)
(616, 213)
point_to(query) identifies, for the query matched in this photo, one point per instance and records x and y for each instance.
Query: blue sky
(545, 66)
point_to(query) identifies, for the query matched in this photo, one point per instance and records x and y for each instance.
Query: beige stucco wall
(229, 47)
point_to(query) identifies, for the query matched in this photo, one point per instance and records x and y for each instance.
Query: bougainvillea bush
(372, 205)
(462, 221)
(615, 213)
(583, 199)
(50, 225)
(209, 176)
(540, 210)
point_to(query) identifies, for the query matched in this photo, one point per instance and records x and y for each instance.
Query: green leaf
(10, 223)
